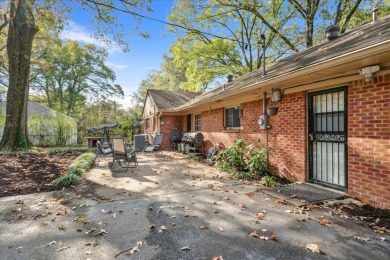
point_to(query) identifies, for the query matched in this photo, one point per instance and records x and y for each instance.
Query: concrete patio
(175, 208)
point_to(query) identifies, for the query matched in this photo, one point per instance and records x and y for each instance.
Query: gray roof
(351, 41)
(168, 99)
(33, 108)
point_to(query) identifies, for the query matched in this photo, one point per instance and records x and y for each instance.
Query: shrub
(84, 161)
(269, 181)
(67, 180)
(75, 171)
(232, 159)
(244, 175)
(258, 160)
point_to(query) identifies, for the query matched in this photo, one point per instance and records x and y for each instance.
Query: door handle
(311, 137)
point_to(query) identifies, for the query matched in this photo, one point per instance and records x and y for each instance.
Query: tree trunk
(21, 34)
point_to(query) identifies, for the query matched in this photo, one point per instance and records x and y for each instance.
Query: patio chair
(122, 154)
(102, 151)
(155, 146)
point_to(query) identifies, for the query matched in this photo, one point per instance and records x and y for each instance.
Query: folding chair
(155, 146)
(124, 156)
(102, 151)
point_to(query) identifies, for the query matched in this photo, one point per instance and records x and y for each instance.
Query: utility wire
(161, 21)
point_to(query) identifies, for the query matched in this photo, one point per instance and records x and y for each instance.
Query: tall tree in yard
(21, 32)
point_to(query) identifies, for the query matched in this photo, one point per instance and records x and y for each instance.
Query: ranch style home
(332, 124)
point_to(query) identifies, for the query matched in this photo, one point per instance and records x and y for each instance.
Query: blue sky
(145, 54)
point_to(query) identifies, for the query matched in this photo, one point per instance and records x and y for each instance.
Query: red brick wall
(166, 129)
(287, 137)
(369, 141)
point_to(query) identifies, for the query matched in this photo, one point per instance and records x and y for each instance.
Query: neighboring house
(333, 123)
(46, 127)
(156, 102)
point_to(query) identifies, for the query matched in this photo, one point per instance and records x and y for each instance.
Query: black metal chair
(122, 154)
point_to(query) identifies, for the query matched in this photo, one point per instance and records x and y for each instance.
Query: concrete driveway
(174, 208)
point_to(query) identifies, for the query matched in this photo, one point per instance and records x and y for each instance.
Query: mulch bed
(30, 173)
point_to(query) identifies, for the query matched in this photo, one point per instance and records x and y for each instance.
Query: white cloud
(76, 32)
(116, 66)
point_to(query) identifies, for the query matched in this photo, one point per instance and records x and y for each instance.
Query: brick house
(333, 121)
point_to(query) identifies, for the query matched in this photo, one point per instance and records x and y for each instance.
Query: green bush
(75, 171)
(67, 180)
(233, 158)
(84, 161)
(258, 160)
(269, 181)
(244, 175)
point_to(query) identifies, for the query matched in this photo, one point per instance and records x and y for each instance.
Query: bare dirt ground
(31, 173)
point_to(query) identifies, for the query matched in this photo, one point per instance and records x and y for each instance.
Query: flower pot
(271, 111)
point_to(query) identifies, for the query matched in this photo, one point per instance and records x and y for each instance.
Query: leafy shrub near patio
(76, 170)
(232, 158)
(84, 161)
(245, 161)
(258, 160)
(67, 180)
(269, 181)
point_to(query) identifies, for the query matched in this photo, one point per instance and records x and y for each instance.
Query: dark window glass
(232, 117)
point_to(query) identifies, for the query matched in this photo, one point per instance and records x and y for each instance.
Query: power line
(161, 21)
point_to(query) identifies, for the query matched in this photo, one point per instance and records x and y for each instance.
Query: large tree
(21, 32)
(67, 72)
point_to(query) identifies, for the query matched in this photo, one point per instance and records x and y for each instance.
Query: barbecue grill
(193, 143)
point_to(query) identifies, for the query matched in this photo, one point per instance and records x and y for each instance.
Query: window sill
(231, 131)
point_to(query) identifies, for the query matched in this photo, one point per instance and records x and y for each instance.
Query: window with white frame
(198, 123)
(232, 117)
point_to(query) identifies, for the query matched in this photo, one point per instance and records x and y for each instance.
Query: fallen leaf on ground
(152, 226)
(325, 222)
(260, 215)
(19, 202)
(288, 211)
(242, 206)
(80, 219)
(51, 243)
(313, 248)
(63, 248)
(101, 233)
(362, 238)
(133, 250)
(382, 238)
(203, 226)
(273, 237)
(264, 230)
(79, 229)
(280, 201)
(217, 258)
(163, 228)
(62, 227)
(254, 234)
(90, 231)
(185, 248)
(43, 223)
(293, 196)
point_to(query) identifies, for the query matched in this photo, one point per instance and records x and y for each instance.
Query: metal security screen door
(328, 137)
